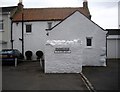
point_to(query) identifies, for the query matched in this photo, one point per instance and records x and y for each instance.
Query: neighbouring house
(5, 27)
(113, 43)
(119, 14)
(33, 28)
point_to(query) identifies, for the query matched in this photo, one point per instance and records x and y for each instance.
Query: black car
(7, 55)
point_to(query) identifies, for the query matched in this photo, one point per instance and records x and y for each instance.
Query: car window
(6, 52)
(0, 52)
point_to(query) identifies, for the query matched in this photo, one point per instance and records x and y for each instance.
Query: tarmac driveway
(29, 76)
(104, 78)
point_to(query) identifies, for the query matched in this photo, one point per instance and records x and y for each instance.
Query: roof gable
(80, 20)
(42, 14)
(76, 26)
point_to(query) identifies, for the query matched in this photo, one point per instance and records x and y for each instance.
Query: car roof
(9, 49)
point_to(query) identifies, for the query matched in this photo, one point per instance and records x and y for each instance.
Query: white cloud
(53, 3)
(107, 21)
(103, 0)
(8, 3)
(105, 15)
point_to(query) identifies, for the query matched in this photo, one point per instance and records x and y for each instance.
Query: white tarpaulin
(63, 56)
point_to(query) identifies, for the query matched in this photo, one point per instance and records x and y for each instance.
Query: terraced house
(5, 26)
(33, 27)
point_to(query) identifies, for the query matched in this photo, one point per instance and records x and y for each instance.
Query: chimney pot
(85, 4)
(20, 5)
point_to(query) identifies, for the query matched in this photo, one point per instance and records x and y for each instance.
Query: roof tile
(42, 14)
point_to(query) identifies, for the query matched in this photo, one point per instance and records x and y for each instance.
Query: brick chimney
(85, 4)
(20, 5)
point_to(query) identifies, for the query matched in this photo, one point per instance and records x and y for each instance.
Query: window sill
(1, 30)
(89, 47)
(28, 33)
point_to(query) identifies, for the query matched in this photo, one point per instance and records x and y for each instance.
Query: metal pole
(11, 34)
(15, 62)
(22, 34)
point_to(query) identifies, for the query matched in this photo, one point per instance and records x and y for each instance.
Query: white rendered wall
(78, 26)
(6, 33)
(17, 33)
(33, 41)
(63, 62)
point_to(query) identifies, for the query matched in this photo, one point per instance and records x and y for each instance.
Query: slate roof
(8, 9)
(113, 31)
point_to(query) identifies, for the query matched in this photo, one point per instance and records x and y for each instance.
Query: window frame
(89, 44)
(49, 25)
(28, 32)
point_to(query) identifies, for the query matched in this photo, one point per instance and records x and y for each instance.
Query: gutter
(22, 34)
(11, 33)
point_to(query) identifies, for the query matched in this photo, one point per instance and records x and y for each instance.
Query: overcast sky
(104, 12)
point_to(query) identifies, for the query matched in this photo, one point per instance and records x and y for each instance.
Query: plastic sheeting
(63, 56)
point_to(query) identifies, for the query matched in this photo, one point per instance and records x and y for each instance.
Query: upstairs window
(1, 25)
(49, 25)
(28, 28)
(89, 41)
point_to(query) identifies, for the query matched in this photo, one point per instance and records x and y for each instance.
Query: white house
(33, 22)
(119, 14)
(33, 28)
(5, 27)
(92, 37)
